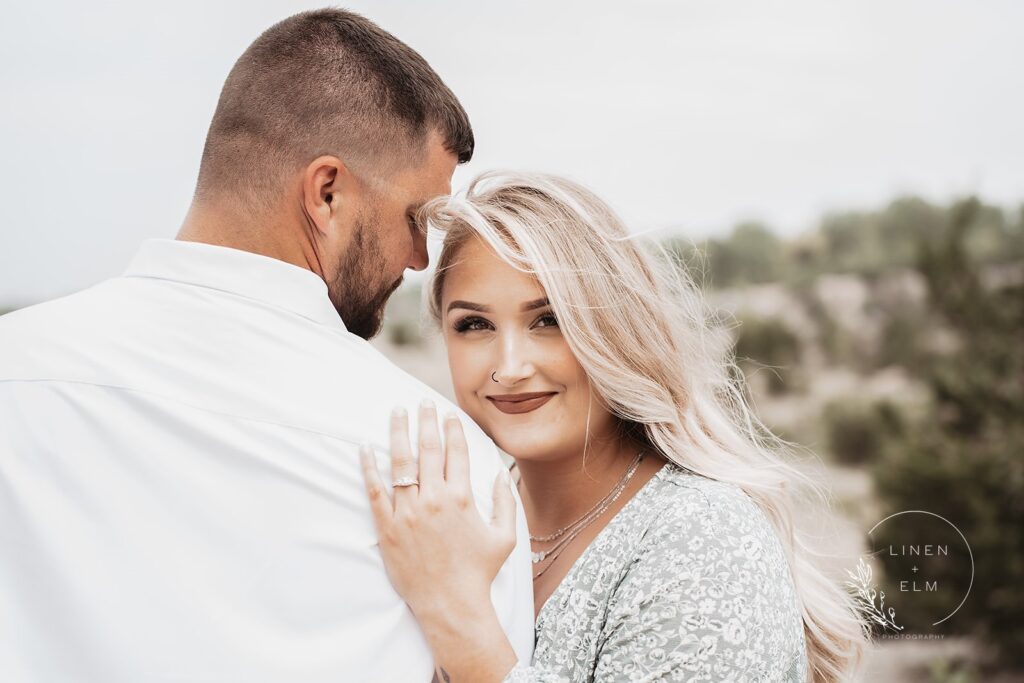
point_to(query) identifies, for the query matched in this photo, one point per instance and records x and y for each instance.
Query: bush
(769, 343)
(902, 343)
(751, 254)
(857, 431)
(404, 333)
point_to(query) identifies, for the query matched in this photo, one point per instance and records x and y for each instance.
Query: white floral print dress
(688, 582)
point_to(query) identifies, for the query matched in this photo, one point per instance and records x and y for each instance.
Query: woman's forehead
(476, 270)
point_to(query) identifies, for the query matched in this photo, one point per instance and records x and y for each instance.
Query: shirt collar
(244, 273)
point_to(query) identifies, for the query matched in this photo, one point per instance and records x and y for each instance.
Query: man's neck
(220, 226)
(557, 491)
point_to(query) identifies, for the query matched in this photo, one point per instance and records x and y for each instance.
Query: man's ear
(326, 184)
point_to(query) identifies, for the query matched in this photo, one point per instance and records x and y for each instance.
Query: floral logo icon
(865, 594)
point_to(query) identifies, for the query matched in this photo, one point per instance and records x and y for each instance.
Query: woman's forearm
(468, 642)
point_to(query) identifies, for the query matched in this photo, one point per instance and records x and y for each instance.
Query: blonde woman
(658, 509)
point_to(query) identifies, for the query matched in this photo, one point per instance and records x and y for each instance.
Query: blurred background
(846, 180)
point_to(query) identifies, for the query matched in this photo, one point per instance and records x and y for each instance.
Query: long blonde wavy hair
(653, 351)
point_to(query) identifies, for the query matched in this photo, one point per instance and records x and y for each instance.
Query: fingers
(376, 490)
(456, 454)
(403, 464)
(504, 517)
(431, 457)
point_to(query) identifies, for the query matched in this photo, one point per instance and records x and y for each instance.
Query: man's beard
(356, 293)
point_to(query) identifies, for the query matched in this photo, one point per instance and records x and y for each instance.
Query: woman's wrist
(467, 640)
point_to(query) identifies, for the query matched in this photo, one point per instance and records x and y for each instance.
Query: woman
(658, 509)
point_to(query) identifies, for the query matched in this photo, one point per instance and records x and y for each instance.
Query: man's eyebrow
(469, 305)
(536, 303)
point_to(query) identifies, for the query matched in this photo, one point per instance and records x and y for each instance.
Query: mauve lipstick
(515, 404)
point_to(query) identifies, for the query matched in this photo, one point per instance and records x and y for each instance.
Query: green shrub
(404, 333)
(771, 345)
(856, 431)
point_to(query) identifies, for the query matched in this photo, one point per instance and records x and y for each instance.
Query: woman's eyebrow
(469, 305)
(536, 303)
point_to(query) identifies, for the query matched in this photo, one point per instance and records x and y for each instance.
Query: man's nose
(513, 363)
(419, 259)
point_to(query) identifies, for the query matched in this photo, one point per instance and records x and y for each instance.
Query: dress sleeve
(709, 598)
(523, 673)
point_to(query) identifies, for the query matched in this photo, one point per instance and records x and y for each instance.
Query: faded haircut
(325, 82)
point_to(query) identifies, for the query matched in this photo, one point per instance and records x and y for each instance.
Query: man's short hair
(325, 82)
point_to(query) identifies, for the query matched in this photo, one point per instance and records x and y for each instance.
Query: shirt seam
(238, 295)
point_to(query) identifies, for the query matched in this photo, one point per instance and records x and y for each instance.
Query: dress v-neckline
(566, 583)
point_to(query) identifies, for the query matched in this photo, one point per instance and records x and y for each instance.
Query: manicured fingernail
(451, 416)
(426, 403)
(398, 411)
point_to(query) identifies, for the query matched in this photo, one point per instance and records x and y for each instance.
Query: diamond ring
(405, 481)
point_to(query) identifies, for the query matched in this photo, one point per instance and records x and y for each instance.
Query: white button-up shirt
(180, 494)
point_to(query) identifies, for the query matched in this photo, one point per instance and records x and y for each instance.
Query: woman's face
(513, 372)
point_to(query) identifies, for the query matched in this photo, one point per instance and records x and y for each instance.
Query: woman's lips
(520, 403)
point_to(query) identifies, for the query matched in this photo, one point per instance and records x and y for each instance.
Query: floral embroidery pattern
(687, 583)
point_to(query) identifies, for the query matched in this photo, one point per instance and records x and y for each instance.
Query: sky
(686, 116)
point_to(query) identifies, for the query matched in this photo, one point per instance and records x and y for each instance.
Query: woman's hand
(440, 555)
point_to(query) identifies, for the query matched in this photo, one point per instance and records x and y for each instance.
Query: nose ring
(492, 376)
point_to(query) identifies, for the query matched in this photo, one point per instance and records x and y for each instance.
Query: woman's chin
(528, 449)
(522, 437)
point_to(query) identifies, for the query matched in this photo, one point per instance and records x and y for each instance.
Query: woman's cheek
(468, 378)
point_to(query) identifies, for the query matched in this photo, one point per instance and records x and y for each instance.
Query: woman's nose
(513, 364)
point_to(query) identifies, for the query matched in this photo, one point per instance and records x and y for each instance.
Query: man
(180, 493)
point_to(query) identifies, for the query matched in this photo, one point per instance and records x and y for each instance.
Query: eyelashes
(474, 323)
(552, 321)
(470, 323)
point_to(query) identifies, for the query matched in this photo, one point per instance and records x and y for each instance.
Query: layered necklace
(566, 534)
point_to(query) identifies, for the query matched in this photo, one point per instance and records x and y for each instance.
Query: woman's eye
(471, 324)
(547, 320)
